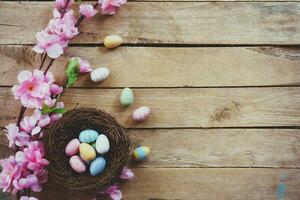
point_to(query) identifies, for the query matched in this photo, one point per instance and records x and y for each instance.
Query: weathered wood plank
(192, 107)
(267, 148)
(195, 184)
(167, 22)
(168, 67)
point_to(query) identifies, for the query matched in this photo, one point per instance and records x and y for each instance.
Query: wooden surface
(222, 80)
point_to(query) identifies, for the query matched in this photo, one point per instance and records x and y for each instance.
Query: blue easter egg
(88, 136)
(97, 166)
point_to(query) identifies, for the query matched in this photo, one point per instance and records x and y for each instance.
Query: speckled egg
(102, 144)
(88, 136)
(87, 152)
(141, 114)
(97, 166)
(77, 164)
(72, 147)
(141, 153)
(126, 97)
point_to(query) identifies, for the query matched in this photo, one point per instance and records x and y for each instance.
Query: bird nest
(60, 133)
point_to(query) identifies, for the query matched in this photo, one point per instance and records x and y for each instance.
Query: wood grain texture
(168, 67)
(199, 184)
(196, 148)
(193, 107)
(166, 22)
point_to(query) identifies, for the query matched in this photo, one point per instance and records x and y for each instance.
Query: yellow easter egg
(141, 153)
(87, 152)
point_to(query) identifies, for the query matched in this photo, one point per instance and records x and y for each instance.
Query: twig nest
(100, 74)
(141, 113)
(112, 41)
(74, 176)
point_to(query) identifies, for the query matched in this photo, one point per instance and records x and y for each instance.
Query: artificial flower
(110, 6)
(33, 156)
(63, 27)
(84, 65)
(87, 10)
(11, 171)
(52, 44)
(30, 181)
(56, 116)
(15, 136)
(62, 4)
(126, 173)
(33, 89)
(28, 198)
(114, 192)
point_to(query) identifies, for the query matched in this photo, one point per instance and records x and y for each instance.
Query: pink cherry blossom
(87, 10)
(56, 116)
(64, 27)
(16, 137)
(30, 181)
(28, 198)
(33, 89)
(126, 173)
(11, 171)
(110, 6)
(114, 192)
(55, 89)
(61, 4)
(29, 125)
(84, 65)
(52, 44)
(33, 156)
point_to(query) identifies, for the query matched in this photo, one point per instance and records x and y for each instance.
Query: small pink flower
(52, 44)
(11, 171)
(110, 6)
(56, 116)
(33, 156)
(87, 10)
(30, 181)
(84, 65)
(114, 192)
(28, 198)
(29, 125)
(63, 27)
(126, 173)
(55, 89)
(33, 89)
(16, 137)
(61, 4)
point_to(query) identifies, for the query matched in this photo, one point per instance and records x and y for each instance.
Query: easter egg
(141, 153)
(102, 144)
(126, 97)
(112, 41)
(141, 113)
(72, 147)
(100, 74)
(97, 166)
(87, 152)
(77, 164)
(88, 136)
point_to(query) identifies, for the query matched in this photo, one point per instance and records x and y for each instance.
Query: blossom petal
(24, 75)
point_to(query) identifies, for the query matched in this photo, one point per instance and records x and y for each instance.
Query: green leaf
(59, 110)
(72, 71)
(46, 109)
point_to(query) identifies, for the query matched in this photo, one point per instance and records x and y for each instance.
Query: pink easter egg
(72, 147)
(77, 164)
(141, 113)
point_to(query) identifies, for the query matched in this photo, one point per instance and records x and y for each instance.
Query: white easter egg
(102, 144)
(141, 113)
(100, 74)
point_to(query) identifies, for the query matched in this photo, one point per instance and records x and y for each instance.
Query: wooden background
(222, 80)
